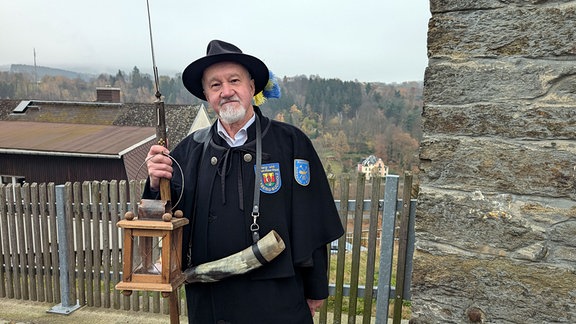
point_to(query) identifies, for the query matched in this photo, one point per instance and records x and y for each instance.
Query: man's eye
(214, 85)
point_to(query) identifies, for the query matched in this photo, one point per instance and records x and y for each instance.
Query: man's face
(229, 90)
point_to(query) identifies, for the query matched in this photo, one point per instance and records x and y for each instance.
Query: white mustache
(228, 100)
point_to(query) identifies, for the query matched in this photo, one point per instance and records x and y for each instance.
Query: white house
(372, 167)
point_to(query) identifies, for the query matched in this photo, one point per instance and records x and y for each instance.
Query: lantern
(152, 249)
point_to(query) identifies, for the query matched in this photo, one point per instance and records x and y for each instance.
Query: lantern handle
(179, 168)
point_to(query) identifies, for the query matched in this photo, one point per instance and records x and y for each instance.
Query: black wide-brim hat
(219, 51)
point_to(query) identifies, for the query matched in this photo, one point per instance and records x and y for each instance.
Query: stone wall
(496, 216)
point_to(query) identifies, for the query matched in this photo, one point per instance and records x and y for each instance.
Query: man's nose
(227, 90)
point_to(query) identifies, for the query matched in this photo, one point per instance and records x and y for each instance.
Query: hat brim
(193, 73)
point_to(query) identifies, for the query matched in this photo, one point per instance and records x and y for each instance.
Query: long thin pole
(161, 135)
(154, 67)
(161, 138)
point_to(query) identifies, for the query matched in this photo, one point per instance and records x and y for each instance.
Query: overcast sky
(364, 40)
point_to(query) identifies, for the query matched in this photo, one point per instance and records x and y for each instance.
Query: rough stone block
(530, 31)
(542, 168)
(520, 119)
(499, 81)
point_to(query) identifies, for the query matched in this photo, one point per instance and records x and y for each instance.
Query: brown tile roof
(87, 130)
(71, 138)
(179, 118)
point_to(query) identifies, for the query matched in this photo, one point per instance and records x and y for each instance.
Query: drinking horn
(253, 257)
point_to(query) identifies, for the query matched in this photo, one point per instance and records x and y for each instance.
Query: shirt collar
(241, 136)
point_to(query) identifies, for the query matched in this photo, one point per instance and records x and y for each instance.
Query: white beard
(231, 114)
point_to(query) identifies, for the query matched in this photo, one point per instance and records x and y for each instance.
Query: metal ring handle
(179, 167)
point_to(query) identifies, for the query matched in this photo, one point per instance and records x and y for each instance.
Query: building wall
(60, 169)
(496, 216)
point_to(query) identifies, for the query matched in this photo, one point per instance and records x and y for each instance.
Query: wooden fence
(60, 244)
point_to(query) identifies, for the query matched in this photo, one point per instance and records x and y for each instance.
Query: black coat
(295, 200)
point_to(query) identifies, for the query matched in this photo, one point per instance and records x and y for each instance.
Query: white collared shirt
(241, 136)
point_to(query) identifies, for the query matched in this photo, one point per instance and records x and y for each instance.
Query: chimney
(108, 94)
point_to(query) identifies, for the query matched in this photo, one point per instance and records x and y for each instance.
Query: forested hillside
(347, 121)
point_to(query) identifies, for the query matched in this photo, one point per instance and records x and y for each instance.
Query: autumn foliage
(346, 120)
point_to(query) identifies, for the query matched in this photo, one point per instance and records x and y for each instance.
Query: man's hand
(159, 165)
(314, 305)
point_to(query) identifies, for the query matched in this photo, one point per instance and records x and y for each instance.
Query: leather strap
(258, 254)
(257, 183)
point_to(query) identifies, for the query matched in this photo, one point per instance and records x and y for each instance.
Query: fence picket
(5, 275)
(356, 244)
(79, 243)
(145, 301)
(135, 300)
(15, 255)
(37, 235)
(402, 248)
(87, 243)
(46, 246)
(123, 209)
(104, 194)
(371, 250)
(96, 255)
(156, 302)
(28, 242)
(114, 241)
(21, 240)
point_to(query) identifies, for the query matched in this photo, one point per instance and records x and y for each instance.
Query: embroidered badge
(270, 178)
(302, 172)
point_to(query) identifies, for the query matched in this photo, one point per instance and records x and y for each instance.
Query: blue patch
(270, 180)
(302, 172)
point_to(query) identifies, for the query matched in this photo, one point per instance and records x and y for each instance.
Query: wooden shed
(60, 141)
(57, 152)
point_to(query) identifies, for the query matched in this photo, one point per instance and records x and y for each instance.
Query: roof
(84, 140)
(71, 139)
(370, 160)
(179, 118)
(201, 121)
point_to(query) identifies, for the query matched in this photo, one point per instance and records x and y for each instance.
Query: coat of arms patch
(270, 180)
(302, 172)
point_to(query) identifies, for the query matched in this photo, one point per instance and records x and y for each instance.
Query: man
(218, 182)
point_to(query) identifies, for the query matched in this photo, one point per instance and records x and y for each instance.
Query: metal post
(65, 307)
(386, 248)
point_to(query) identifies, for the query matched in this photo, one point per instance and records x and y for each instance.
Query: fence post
(386, 248)
(410, 250)
(65, 307)
(402, 248)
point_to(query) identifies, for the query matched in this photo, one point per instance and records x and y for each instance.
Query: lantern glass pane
(147, 255)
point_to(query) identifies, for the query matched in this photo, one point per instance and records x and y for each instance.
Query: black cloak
(295, 201)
